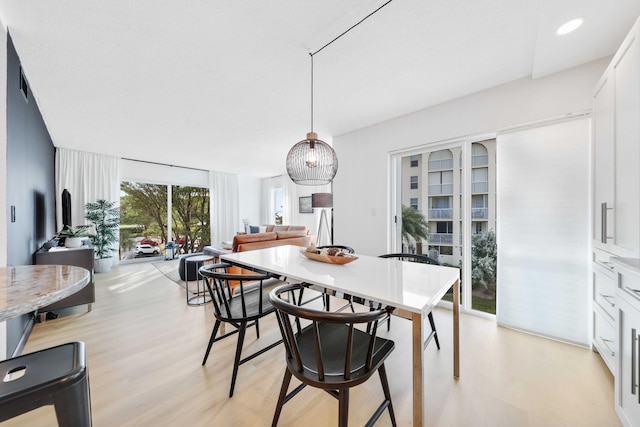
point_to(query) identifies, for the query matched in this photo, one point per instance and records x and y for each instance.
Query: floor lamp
(323, 201)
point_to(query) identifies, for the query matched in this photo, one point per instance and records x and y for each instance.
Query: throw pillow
(254, 229)
(263, 229)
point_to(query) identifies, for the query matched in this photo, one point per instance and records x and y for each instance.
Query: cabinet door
(626, 208)
(602, 123)
(627, 381)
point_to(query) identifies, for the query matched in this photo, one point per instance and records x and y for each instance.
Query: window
(441, 182)
(414, 182)
(444, 227)
(480, 180)
(478, 228)
(479, 156)
(439, 160)
(414, 161)
(414, 202)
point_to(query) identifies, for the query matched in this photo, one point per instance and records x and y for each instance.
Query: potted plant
(73, 235)
(105, 218)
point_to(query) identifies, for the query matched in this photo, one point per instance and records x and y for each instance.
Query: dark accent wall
(30, 182)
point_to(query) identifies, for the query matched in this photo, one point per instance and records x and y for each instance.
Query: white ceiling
(225, 85)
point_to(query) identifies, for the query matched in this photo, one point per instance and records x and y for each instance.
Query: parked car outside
(147, 250)
(147, 241)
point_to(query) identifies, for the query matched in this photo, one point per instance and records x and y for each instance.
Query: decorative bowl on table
(330, 259)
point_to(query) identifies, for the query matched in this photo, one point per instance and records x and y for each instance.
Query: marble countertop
(26, 288)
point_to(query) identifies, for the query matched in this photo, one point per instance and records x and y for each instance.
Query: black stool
(55, 376)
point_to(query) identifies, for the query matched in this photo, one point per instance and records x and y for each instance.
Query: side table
(216, 251)
(198, 297)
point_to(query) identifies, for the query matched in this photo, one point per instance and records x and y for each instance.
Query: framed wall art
(304, 205)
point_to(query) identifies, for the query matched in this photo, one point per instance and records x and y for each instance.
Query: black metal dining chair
(424, 260)
(330, 353)
(241, 308)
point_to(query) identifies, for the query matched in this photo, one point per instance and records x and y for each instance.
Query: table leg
(418, 370)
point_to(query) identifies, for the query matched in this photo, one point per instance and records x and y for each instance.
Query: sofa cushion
(280, 227)
(298, 228)
(290, 234)
(254, 229)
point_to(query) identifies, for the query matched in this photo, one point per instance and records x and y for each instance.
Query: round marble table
(26, 288)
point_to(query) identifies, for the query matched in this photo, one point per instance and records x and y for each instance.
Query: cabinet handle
(610, 299)
(606, 344)
(633, 361)
(603, 222)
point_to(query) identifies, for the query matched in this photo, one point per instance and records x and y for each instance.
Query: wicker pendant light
(312, 161)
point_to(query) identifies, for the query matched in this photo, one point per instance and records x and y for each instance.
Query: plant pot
(72, 242)
(102, 265)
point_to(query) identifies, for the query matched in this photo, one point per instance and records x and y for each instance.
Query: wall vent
(24, 86)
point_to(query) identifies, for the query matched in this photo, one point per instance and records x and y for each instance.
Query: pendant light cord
(343, 33)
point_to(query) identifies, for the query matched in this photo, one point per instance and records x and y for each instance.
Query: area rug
(170, 270)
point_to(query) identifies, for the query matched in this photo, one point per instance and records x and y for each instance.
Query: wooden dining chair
(241, 307)
(330, 353)
(424, 260)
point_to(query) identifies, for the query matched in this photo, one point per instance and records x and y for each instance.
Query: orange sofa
(276, 235)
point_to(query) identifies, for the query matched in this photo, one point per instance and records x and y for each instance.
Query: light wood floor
(145, 348)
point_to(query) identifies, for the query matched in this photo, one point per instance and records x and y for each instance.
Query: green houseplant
(73, 235)
(105, 218)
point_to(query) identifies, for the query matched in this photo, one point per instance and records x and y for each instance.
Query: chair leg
(241, 332)
(433, 328)
(343, 407)
(257, 329)
(73, 404)
(211, 340)
(387, 394)
(283, 394)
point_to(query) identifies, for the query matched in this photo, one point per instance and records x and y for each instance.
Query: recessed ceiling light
(570, 26)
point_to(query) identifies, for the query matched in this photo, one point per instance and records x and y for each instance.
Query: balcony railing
(480, 160)
(440, 239)
(444, 164)
(435, 189)
(480, 187)
(480, 213)
(441, 213)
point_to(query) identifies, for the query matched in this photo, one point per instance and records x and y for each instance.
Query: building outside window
(414, 182)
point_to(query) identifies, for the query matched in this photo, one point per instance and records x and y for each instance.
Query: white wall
(361, 187)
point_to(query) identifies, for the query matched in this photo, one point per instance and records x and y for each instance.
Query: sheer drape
(543, 244)
(224, 196)
(266, 200)
(88, 177)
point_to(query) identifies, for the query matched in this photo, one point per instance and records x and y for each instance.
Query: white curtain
(266, 200)
(289, 201)
(88, 177)
(543, 233)
(224, 197)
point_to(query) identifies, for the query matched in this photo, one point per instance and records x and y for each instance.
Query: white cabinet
(615, 233)
(602, 167)
(627, 380)
(616, 152)
(604, 314)
(616, 185)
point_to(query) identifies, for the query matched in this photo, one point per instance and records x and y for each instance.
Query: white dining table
(414, 289)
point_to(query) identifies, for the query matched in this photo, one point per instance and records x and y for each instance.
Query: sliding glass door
(447, 210)
(153, 214)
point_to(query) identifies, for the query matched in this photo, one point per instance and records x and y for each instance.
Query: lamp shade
(322, 200)
(312, 162)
